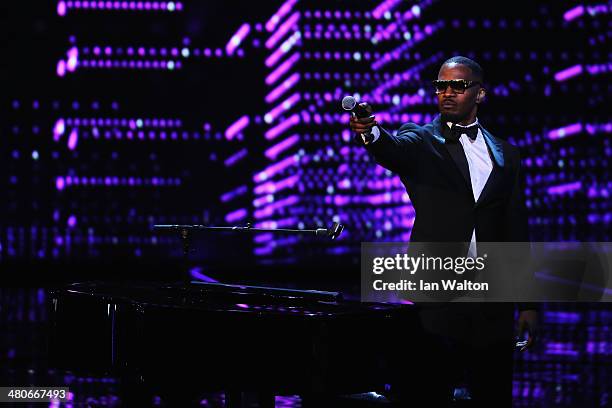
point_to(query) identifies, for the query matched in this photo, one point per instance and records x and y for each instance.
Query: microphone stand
(186, 231)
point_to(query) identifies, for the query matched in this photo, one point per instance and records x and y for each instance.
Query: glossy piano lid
(218, 297)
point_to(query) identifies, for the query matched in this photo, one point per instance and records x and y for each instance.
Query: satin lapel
(495, 147)
(455, 152)
(493, 178)
(496, 151)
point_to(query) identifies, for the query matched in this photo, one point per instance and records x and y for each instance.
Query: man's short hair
(477, 70)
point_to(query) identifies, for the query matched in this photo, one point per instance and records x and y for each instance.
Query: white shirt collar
(450, 124)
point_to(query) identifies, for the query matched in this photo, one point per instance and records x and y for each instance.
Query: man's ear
(482, 93)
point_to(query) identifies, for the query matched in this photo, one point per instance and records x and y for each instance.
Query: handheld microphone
(360, 110)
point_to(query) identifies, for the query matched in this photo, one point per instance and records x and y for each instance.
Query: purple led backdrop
(121, 114)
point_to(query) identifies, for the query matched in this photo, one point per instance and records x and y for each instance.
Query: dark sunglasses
(457, 85)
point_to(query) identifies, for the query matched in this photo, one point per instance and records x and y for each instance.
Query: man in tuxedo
(465, 186)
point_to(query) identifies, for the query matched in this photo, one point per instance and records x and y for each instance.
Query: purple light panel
(284, 106)
(573, 13)
(147, 58)
(565, 188)
(283, 87)
(73, 139)
(71, 63)
(237, 38)
(400, 59)
(236, 157)
(282, 12)
(59, 129)
(273, 152)
(237, 127)
(384, 7)
(63, 182)
(285, 48)
(64, 6)
(282, 127)
(309, 172)
(393, 29)
(276, 168)
(236, 215)
(565, 131)
(289, 24)
(281, 223)
(237, 192)
(399, 52)
(122, 128)
(568, 73)
(272, 187)
(282, 69)
(270, 210)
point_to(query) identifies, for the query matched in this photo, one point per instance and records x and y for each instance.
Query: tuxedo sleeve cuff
(375, 135)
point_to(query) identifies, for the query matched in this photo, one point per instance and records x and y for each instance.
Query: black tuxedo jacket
(436, 175)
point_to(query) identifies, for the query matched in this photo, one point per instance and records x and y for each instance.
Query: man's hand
(362, 125)
(528, 322)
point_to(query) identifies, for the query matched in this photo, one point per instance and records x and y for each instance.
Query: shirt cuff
(375, 133)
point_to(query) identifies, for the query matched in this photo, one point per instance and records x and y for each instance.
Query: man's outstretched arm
(396, 153)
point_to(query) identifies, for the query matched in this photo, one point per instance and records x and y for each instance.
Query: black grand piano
(179, 341)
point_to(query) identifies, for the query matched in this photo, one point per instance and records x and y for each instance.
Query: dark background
(50, 236)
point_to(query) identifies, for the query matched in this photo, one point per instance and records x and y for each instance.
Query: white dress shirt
(375, 133)
(480, 166)
(479, 163)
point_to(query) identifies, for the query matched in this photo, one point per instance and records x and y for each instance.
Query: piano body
(179, 341)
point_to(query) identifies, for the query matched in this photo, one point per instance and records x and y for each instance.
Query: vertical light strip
(73, 139)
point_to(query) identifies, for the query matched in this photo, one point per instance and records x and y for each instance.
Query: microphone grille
(348, 103)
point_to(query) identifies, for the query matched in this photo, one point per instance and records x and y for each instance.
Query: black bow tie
(454, 133)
